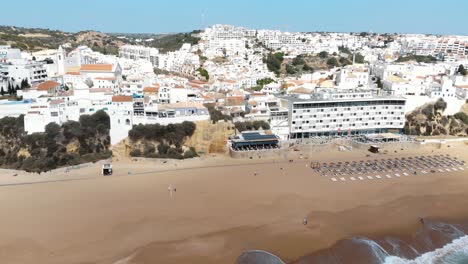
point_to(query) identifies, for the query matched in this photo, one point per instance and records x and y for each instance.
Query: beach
(221, 208)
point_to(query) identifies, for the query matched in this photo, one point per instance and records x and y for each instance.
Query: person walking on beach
(304, 221)
(170, 189)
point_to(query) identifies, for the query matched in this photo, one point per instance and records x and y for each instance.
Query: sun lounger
(388, 176)
(343, 179)
(370, 177)
(378, 177)
(334, 179)
(398, 175)
(353, 179)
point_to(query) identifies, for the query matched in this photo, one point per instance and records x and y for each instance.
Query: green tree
(345, 50)
(291, 69)
(2, 92)
(298, 60)
(279, 56)
(323, 54)
(307, 68)
(273, 63)
(25, 84)
(440, 105)
(10, 89)
(417, 58)
(358, 58)
(344, 61)
(332, 62)
(204, 73)
(462, 70)
(264, 81)
(462, 116)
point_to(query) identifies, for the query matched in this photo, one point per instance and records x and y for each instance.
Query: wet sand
(219, 210)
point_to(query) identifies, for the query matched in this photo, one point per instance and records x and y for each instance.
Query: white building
(341, 113)
(352, 77)
(14, 71)
(126, 112)
(134, 52)
(444, 89)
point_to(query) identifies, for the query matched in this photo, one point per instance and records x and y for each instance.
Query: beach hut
(106, 169)
(374, 149)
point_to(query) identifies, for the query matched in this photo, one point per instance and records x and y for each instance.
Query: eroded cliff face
(70, 144)
(429, 120)
(176, 141)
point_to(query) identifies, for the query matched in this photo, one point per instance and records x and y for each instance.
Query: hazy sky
(157, 16)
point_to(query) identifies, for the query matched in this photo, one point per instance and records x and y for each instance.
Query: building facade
(351, 113)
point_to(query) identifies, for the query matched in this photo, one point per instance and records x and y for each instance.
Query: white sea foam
(453, 253)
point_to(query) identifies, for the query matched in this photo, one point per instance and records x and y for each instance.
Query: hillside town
(305, 85)
(243, 132)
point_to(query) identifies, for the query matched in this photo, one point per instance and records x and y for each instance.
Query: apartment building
(14, 71)
(329, 113)
(135, 52)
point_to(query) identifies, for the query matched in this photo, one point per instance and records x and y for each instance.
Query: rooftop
(328, 96)
(47, 85)
(97, 67)
(121, 98)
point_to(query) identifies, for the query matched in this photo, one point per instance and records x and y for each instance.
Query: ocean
(434, 243)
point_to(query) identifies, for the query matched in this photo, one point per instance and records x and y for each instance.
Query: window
(54, 113)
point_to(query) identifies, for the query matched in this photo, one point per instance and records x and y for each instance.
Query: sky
(158, 16)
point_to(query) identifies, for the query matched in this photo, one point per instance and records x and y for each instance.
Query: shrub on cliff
(48, 150)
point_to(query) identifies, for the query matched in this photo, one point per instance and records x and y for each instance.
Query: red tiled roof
(150, 89)
(47, 85)
(122, 98)
(96, 67)
(234, 100)
(72, 73)
(57, 101)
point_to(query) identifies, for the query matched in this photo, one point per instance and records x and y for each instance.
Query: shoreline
(221, 209)
(408, 244)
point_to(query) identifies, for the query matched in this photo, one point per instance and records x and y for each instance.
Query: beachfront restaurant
(254, 141)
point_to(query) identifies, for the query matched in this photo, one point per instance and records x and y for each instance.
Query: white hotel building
(352, 112)
(134, 52)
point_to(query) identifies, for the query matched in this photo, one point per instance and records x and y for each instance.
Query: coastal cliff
(70, 144)
(429, 120)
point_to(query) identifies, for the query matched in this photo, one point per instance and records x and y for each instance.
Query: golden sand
(220, 208)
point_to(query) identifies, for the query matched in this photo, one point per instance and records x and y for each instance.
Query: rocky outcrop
(429, 120)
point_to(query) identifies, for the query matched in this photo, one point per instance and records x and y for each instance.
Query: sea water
(435, 243)
(455, 252)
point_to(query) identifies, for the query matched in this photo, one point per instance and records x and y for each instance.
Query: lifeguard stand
(106, 169)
